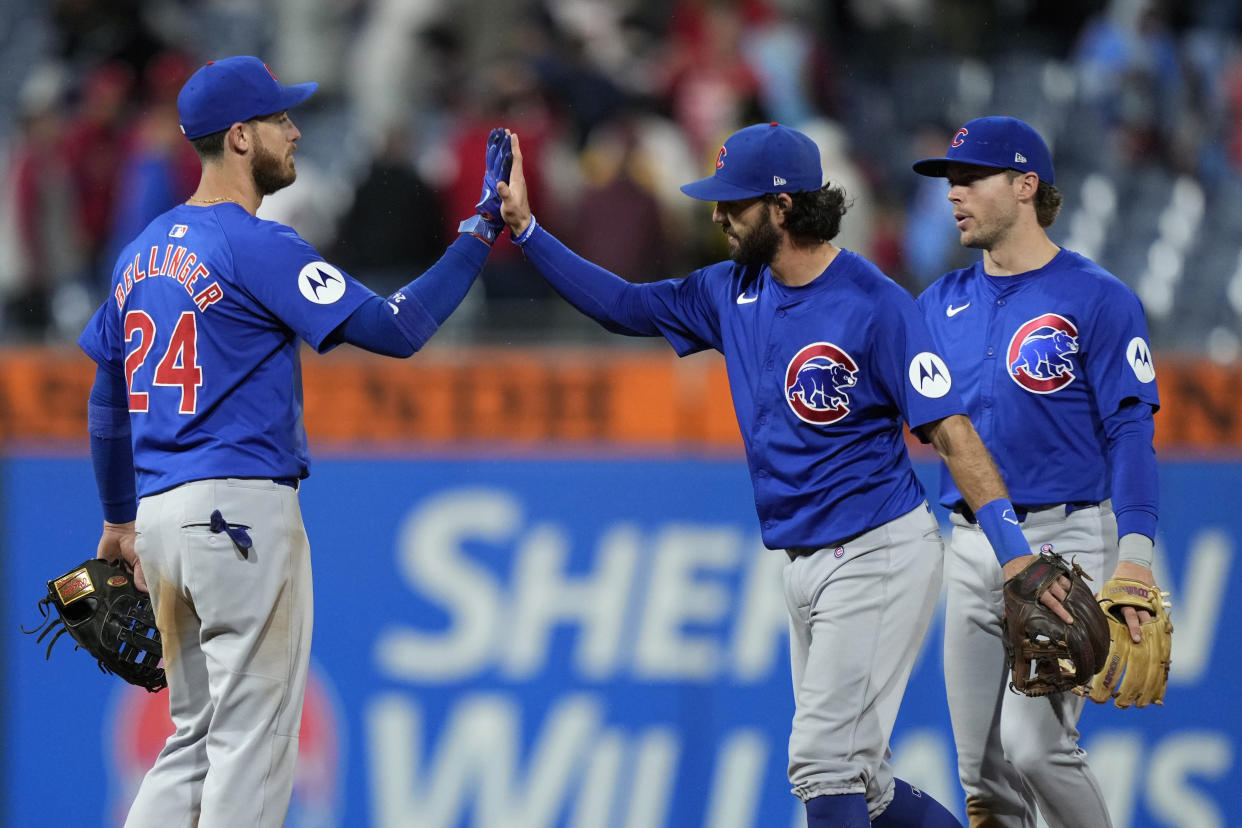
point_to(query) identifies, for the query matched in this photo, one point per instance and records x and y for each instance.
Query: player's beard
(270, 172)
(760, 245)
(990, 232)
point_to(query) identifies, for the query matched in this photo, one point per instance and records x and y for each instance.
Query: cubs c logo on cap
(720, 156)
(960, 137)
(1039, 353)
(816, 383)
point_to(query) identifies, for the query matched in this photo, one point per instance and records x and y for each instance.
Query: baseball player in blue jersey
(1050, 354)
(197, 439)
(826, 359)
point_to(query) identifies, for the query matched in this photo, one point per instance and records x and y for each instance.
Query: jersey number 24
(178, 367)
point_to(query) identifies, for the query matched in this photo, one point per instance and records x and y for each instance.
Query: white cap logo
(321, 283)
(1138, 354)
(929, 375)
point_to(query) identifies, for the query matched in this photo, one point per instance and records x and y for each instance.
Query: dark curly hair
(816, 214)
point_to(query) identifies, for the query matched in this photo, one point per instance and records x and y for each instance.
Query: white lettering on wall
(430, 559)
(683, 592)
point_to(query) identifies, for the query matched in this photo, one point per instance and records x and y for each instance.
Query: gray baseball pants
(236, 628)
(1015, 752)
(857, 623)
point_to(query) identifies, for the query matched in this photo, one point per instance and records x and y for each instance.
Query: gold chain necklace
(212, 200)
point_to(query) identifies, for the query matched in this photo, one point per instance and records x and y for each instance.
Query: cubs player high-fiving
(826, 358)
(198, 445)
(1050, 353)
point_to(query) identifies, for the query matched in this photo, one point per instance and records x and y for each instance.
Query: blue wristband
(526, 234)
(1003, 530)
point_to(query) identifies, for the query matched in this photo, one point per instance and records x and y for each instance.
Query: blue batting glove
(487, 223)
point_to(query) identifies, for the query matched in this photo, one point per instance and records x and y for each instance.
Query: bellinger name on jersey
(181, 264)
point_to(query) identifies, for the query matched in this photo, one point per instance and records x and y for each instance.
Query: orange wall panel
(536, 398)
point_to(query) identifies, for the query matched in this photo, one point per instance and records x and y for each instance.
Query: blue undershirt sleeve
(112, 453)
(605, 297)
(1135, 475)
(402, 323)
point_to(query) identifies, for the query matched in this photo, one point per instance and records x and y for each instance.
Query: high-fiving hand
(515, 207)
(487, 223)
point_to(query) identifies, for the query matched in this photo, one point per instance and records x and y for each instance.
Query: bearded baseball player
(826, 359)
(1050, 354)
(198, 445)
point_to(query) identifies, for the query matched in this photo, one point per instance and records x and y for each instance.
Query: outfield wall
(567, 640)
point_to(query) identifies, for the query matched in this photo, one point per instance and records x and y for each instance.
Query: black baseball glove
(1046, 655)
(98, 604)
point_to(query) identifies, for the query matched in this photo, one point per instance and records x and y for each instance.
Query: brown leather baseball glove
(1045, 655)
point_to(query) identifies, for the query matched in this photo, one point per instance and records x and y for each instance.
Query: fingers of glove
(1160, 634)
(1104, 685)
(498, 162)
(495, 140)
(504, 158)
(1138, 686)
(499, 156)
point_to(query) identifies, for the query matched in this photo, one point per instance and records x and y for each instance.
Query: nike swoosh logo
(743, 299)
(952, 311)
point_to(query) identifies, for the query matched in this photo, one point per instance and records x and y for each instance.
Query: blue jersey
(1042, 359)
(203, 320)
(823, 377)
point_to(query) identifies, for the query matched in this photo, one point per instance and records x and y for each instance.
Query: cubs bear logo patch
(817, 383)
(1039, 355)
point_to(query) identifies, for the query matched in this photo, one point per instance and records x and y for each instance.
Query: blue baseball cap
(223, 92)
(994, 141)
(761, 159)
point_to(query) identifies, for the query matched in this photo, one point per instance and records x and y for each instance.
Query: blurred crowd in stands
(618, 102)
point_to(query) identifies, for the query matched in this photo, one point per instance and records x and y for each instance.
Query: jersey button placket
(987, 378)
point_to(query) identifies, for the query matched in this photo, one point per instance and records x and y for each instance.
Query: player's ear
(1026, 185)
(782, 204)
(237, 138)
